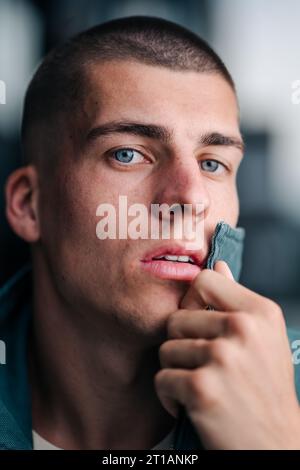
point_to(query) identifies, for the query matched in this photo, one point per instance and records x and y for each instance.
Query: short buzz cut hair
(58, 86)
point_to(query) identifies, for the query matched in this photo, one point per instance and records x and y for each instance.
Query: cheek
(225, 204)
(68, 213)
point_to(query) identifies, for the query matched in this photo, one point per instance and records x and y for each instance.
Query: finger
(190, 301)
(212, 288)
(196, 324)
(222, 268)
(171, 388)
(184, 353)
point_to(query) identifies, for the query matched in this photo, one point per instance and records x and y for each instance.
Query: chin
(161, 305)
(149, 320)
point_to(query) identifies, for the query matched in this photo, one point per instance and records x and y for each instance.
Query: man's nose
(183, 183)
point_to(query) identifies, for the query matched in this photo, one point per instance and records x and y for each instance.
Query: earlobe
(21, 193)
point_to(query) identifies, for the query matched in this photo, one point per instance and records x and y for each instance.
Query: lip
(175, 270)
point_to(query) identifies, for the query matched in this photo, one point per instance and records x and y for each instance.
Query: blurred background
(259, 42)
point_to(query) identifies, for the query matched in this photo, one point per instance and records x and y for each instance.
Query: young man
(105, 342)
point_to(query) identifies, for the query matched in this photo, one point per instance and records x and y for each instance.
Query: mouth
(174, 262)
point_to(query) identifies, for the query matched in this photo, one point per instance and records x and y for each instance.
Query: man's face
(194, 165)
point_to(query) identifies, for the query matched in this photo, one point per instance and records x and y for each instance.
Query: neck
(92, 385)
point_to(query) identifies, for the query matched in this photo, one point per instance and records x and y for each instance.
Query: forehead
(179, 99)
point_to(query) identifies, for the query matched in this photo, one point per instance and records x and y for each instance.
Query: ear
(21, 193)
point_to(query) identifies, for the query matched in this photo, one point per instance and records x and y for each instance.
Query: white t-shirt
(39, 443)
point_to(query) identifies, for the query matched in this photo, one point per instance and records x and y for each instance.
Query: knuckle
(223, 352)
(202, 393)
(197, 383)
(200, 350)
(272, 311)
(240, 323)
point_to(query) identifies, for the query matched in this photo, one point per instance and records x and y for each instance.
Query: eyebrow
(160, 133)
(216, 138)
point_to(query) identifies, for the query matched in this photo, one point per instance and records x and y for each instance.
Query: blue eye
(127, 155)
(212, 166)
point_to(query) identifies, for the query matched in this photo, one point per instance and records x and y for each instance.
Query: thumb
(222, 268)
(192, 299)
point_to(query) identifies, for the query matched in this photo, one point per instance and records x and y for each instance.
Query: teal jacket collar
(15, 318)
(15, 405)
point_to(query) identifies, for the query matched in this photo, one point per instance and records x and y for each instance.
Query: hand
(231, 368)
